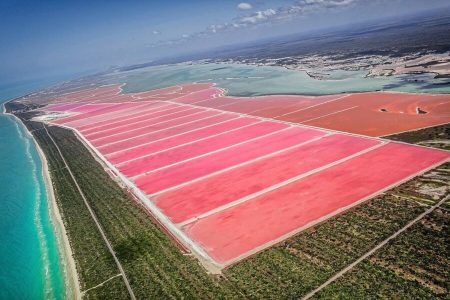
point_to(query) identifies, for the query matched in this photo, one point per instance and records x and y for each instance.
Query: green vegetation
(436, 137)
(414, 266)
(156, 268)
(113, 289)
(15, 106)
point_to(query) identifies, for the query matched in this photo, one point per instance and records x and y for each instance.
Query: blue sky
(41, 39)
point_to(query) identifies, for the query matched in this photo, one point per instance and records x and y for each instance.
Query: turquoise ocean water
(30, 265)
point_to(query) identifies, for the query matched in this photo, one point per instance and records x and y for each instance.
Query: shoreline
(71, 275)
(72, 283)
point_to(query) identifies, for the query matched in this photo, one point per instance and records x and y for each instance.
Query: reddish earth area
(371, 114)
(235, 175)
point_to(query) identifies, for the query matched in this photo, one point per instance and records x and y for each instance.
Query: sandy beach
(70, 274)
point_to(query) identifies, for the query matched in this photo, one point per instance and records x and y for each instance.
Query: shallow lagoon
(244, 80)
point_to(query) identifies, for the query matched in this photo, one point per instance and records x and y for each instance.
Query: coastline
(72, 283)
(71, 275)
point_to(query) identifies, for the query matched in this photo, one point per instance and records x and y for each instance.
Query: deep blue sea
(30, 266)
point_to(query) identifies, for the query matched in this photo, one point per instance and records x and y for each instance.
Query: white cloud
(156, 32)
(258, 16)
(244, 6)
(272, 15)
